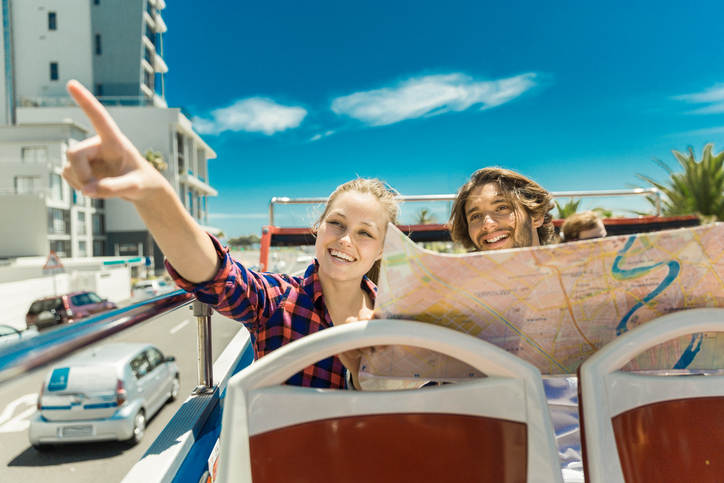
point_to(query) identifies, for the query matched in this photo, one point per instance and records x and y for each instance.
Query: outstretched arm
(108, 165)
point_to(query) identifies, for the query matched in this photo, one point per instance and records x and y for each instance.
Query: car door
(147, 384)
(160, 375)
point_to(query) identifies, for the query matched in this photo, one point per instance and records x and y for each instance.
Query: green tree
(425, 217)
(156, 159)
(244, 241)
(698, 190)
(569, 208)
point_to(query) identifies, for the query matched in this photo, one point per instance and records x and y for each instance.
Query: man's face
(495, 224)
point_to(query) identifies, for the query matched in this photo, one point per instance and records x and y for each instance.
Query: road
(175, 334)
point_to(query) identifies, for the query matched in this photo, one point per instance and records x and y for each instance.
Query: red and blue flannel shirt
(275, 308)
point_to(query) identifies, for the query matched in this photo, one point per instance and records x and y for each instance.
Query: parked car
(103, 394)
(65, 309)
(11, 335)
(144, 289)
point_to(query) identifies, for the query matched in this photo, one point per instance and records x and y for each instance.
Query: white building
(113, 47)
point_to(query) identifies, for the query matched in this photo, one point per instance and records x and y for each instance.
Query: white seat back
(356, 435)
(647, 426)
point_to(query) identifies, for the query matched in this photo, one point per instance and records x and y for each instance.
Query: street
(175, 334)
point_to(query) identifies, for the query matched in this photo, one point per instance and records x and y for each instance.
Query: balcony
(189, 179)
(159, 65)
(68, 102)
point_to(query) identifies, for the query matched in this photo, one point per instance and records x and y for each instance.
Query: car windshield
(43, 305)
(85, 299)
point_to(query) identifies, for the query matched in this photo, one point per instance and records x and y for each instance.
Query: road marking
(19, 422)
(179, 326)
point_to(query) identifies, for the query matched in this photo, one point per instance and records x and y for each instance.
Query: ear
(537, 222)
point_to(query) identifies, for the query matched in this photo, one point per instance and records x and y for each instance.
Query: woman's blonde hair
(383, 193)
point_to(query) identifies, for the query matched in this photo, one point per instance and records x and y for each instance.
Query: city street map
(553, 306)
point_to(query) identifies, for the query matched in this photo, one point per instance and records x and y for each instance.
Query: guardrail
(451, 197)
(23, 357)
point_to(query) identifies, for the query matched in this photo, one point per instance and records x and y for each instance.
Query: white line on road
(19, 422)
(179, 326)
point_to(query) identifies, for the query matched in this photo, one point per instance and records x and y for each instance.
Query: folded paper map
(552, 306)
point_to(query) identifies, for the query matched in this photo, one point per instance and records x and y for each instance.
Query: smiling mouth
(495, 238)
(341, 256)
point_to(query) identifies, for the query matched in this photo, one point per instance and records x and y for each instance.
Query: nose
(489, 220)
(346, 239)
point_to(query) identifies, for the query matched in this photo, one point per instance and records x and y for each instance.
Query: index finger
(103, 123)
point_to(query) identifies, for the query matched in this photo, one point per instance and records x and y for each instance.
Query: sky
(298, 97)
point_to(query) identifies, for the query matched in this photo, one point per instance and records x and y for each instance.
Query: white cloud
(317, 137)
(255, 114)
(713, 96)
(430, 95)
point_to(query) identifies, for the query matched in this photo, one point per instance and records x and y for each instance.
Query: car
(144, 289)
(11, 335)
(65, 309)
(103, 394)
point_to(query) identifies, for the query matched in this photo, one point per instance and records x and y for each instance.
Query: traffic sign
(53, 265)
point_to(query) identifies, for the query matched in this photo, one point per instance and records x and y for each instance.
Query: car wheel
(139, 428)
(175, 386)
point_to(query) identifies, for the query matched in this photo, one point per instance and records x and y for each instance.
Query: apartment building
(115, 48)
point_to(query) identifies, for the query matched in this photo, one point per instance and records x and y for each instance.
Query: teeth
(341, 256)
(497, 238)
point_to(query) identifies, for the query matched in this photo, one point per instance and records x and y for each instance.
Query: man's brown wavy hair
(519, 190)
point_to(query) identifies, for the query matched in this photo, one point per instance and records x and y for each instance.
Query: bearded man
(498, 209)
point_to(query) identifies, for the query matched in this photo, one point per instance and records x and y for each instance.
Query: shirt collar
(313, 286)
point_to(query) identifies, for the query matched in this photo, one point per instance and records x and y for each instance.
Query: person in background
(276, 309)
(582, 226)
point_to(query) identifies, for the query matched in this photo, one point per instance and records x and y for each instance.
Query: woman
(275, 308)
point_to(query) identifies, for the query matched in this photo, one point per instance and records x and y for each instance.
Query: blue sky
(298, 97)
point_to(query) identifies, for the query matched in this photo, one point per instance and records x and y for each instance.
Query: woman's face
(350, 236)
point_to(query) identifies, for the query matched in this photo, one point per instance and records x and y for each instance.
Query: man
(583, 226)
(499, 209)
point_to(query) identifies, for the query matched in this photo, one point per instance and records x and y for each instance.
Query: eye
(336, 223)
(365, 233)
(503, 208)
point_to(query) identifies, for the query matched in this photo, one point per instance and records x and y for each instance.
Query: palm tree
(425, 217)
(566, 210)
(156, 159)
(698, 190)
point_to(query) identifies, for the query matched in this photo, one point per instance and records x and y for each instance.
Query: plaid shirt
(275, 308)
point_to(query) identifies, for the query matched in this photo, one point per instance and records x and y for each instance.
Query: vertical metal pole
(203, 312)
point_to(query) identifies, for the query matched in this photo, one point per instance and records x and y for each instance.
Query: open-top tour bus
(509, 414)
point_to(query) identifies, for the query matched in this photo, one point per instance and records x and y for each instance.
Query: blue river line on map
(627, 274)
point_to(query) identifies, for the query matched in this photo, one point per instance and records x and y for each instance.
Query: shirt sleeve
(236, 292)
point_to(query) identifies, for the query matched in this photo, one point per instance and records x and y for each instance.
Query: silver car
(106, 393)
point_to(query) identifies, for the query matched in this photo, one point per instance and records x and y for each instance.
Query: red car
(65, 309)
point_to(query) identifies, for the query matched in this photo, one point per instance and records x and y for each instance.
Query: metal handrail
(451, 197)
(22, 357)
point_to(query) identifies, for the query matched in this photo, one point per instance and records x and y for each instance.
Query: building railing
(28, 160)
(46, 192)
(451, 197)
(68, 102)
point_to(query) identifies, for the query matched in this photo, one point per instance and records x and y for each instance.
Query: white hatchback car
(103, 394)
(145, 289)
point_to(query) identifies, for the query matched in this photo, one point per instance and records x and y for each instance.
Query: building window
(148, 55)
(99, 51)
(99, 90)
(58, 221)
(53, 71)
(56, 187)
(82, 249)
(96, 2)
(34, 155)
(78, 198)
(52, 21)
(80, 227)
(61, 248)
(97, 203)
(27, 184)
(148, 79)
(99, 248)
(180, 153)
(99, 224)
